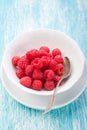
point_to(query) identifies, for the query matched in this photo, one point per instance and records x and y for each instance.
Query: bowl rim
(31, 90)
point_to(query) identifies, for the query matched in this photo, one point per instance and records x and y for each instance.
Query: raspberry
(37, 63)
(23, 62)
(45, 48)
(29, 70)
(20, 73)
(32, 54)
(15, 60)
(45, 60)
(58, 59)
(43, 53)
(40, 67)
(49, 85)
(56, 79)
(26, 81)
(59, 69)
(49, 74)
(56, 51)
(37, 74)
(37, 85)
(52, 64)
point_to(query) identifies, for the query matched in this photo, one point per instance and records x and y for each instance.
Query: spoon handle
(48, 108)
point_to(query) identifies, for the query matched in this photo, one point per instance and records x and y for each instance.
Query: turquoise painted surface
(20, 15)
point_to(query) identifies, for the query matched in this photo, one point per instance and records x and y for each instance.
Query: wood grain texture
(17, 16)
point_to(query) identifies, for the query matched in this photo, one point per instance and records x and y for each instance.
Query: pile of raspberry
(39, 69)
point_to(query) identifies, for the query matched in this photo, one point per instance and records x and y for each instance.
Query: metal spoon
(67, 72)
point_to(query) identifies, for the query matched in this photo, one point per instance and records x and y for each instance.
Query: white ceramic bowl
(35, 39)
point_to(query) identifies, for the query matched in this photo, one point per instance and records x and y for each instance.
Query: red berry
(45, 48)
(59, 69)
(49, 74)
(37, 63)
(58, 59)
(45, 60)
(37, 74)
(49, 85)
(26, 81)
(20, 73)
(56, 79)
(32, 54)
(41, 66)
(29, 70)
(43, 53)
(56, 51)
(37, 85)
(52, 64)
(15, 60)
(23, 62)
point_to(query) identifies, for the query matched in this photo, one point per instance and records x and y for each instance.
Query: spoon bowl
(67, 68)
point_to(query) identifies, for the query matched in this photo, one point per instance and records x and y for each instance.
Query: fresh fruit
(37, 85)
(20, 73)
(37, 63)
(45, 48)
(39, 68)
(15, 60)
(23, 62)
(59, 59)
(29, 70)
(56, 51)
(49, 74)
(26, 81)
(59, 69)
(49, 85)
(37, 74)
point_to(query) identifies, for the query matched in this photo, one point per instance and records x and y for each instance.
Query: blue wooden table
(69, 16)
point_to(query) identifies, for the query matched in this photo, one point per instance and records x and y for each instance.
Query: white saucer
(61, 100)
